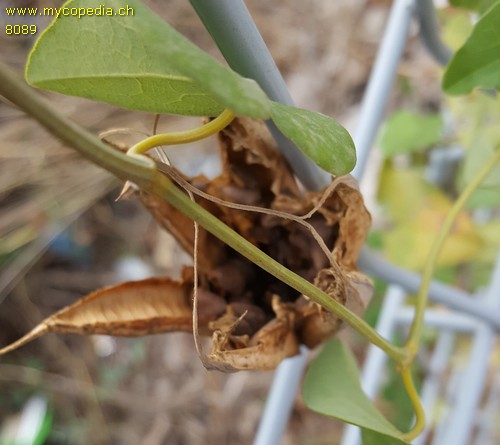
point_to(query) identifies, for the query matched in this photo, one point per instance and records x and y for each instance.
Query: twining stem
(413, 341)
(146, 176)
(417, 405)
(184, 137)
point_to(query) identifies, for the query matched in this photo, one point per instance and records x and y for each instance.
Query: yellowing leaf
(457, 27)
(402, 192)
(409, 244)
(418, 210)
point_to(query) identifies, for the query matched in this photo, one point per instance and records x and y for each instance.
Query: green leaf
(481, 150)
(332, 388)
(319, 137)
(406, 132)
(477, 63)
(473, 5)
(137, 62)
(484, 198)
(45, 429)
(373, 438)
(467, 4)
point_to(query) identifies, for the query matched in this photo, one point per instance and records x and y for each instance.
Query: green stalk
(147, 177)
(415, 335)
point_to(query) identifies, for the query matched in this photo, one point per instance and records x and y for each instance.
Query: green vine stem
(415, 335)
(416, 403)
(413, 343)
(147, 177)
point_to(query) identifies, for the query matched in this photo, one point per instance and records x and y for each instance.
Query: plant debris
(254, 319)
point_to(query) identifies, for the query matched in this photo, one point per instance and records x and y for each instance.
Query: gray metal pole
(468, 400)
(280, 400)
(234, 31)
(434, 378)
(429, 32)
(381, 80)
(453, 298)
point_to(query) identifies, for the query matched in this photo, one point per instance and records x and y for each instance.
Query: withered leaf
(134, 308)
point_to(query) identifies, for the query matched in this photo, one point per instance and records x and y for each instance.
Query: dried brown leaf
(145, 307)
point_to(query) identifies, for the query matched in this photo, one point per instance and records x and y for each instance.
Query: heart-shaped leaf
(477, 62)
(319, 137)
(137, 62)
(332, 388)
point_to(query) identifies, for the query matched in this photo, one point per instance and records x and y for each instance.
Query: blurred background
(62, 235)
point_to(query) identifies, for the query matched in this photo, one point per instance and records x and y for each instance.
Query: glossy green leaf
(477, 62)
(137, 62)
(406, 132)
(332, 388)
(319, 137)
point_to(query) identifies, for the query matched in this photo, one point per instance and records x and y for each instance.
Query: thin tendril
(184, 137)
(196, 334)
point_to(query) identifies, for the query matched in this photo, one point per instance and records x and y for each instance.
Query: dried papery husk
(255, 174)
(134, 308)
(255, 320)
(275, 341)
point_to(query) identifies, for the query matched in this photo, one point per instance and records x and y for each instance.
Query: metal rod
(446, 320)
(426, 15)
(434, 378)
(280, 401)
(233, 30)
(468, 400)
(453, 298)
(381, 80)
